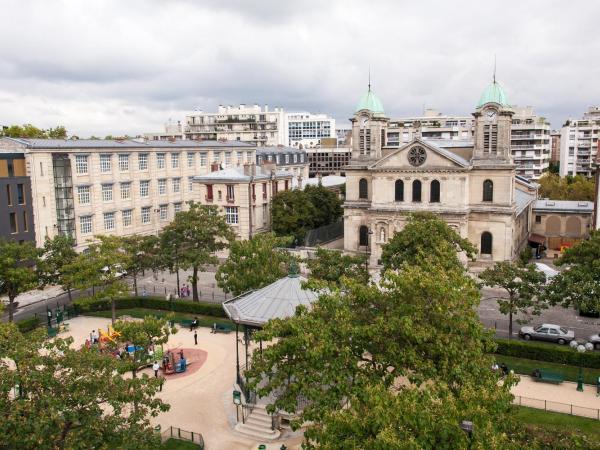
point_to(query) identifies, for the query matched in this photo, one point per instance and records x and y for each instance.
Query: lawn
(570, 373)
(176, 444)
(140, 313)
(552, 421)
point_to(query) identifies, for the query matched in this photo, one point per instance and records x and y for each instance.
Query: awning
(537, 238)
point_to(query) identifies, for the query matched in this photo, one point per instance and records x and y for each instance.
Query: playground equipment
(173, 363)
(109, 336)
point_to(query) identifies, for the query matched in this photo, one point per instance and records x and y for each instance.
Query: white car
(546, 270)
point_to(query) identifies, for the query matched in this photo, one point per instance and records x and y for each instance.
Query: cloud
(111, 67)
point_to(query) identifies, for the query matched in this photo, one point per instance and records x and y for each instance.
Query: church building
(472, 185)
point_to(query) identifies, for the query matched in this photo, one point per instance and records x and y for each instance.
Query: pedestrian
(181, 354)
(162, 380)
(155, 367)
(187, 291)
(195, 338)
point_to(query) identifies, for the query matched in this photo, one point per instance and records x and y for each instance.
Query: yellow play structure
(109, 335)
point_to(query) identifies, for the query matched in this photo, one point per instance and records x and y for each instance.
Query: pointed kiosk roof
(278, 300)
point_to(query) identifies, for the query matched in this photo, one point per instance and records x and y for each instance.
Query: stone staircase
(258, 425)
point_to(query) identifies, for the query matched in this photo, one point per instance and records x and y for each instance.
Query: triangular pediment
(417, 150)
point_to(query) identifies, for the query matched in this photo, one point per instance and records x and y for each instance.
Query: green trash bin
(262, 447)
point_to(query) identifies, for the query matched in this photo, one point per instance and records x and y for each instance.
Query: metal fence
(184, 435)
(323, 234)
(565, 408)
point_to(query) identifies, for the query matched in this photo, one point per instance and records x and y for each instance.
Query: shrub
(549, 353)
(26, 325)
(93, 305)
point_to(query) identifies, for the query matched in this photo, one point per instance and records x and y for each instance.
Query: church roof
(370, 102)
(523, 199)
(493, 94)
(278, 300)
(447, 153)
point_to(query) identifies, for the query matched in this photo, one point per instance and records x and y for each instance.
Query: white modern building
(306, 130)
(579, 144)
(172, 131)
(530, 143)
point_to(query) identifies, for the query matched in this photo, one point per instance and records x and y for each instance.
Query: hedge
(546, 352)
(26, 325)
(184, 306)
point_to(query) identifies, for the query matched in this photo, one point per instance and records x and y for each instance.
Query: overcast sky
(127, 66)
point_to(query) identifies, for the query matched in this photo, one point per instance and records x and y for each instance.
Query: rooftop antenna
(369, 77)
(494, 68)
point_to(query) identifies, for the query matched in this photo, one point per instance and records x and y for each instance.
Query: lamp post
(581, 349)
(468, 427)
(367, 251)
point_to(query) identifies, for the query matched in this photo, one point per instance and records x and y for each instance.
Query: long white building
(579, 144)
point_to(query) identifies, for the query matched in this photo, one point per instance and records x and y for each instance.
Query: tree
(329, 266)
(104, 265)
(57, 253)
(292, 214)
(70, 398)
(143, 335)
(143, 251)
(17, 270)
(578, 285)
(253, 263)
(169, 251)
(200, 231)
(522, 283)
(425, 238)
(577, 187)
(328, 206)
(360, 357)
(29, 131)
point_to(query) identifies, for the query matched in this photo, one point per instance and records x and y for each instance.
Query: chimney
(266, 108)
(249, 169)
(214, 167)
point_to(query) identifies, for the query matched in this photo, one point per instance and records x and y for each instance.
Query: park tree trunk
(135, 288)
(177, 272)
(195, 284)
(113, 308)
(11, 300)
(510, 328)
(70, 294)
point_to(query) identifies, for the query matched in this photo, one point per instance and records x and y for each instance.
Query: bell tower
(493, 120)
(369, 126)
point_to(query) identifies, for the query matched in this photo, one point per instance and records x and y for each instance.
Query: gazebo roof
(278, 300)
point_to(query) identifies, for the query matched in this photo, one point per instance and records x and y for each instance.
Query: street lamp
(468, 427)
(581, 349)
(367, 251)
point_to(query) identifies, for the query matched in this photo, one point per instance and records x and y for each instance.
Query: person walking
(155, 367)
(195, 338)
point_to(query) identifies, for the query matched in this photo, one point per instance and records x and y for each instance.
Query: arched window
(363, 189)
(434, 192)
(363, 236)
(399, 191)
(416, 194)
(486, 243)
(488, 191)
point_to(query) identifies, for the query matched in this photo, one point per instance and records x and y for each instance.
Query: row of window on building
(287, 158)
(84, 191)
(82, 162)
(16, 225)
(20, 194)
(434, 190)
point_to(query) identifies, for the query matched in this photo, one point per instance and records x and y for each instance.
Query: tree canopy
(57, 253)
(577, 187)
(328, 206)
(425, 238)
(329, 266)
(54, 396)
(144, 253)
(253, 263)
(30, 131)
(17, 270)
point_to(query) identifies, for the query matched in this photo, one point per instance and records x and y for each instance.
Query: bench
(52, 332)
(188, 323)
(547, 376)
(218, 328)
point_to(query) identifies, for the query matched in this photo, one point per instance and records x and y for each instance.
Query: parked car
(546, 270)
(595, 339)
(548, 332)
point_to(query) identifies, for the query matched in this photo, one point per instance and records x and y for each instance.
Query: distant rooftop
(232, 174)
(121, 143)
(272, 149)
(582, 207)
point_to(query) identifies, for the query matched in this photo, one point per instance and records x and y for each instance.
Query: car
(595, 339)
(546, 270)
(548, 332)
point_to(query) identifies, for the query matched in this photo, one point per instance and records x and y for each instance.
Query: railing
(565, 408)
(323, 234)
(178, 433)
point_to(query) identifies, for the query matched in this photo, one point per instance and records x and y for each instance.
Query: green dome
(371, 102)
(493, 94)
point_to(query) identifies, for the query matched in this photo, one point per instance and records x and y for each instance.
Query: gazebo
(253, 309)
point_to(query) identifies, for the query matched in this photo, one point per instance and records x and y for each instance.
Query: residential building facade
(172, 131)
(530, 143)
(328, 159)
(286, 159)
(472, 186)
(562, 222)
(555, 146)
(117, 187)
(16, 219)
(579, 144)
(306, 130)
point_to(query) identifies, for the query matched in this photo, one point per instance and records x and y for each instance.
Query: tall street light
(581, 349)
(367, 251)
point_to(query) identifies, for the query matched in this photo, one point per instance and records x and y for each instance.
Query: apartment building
(306, 130)
(328, 159)
(116, 187)
(243, 194)
(286, 159)
(16, 219)
(172, 131)
(579, 144)
(555, 146)
(530, 143)
(254, 124)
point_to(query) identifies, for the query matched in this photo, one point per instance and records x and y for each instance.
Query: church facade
(472, 185)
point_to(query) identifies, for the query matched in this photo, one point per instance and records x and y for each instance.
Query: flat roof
(565, 206)
(233, 174)
(74, 144)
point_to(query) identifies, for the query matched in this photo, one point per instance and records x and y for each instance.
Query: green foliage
(578, 285)
(295, 212)
(57, 253)
(144, 252)
(329, 266)
(554, 187)
(69, 398)
(554, 167)
(29, 131)
(525, 256)
(27, 325)
(425, 239)
(522, 283)
(545, 352)
(194, 236)
(362, 353)
(253, 263)
(94, 304)
(17, 272)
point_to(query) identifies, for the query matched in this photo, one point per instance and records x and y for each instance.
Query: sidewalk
(36, 296)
